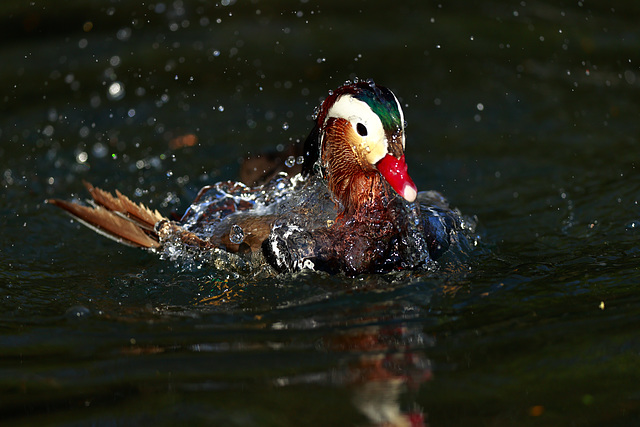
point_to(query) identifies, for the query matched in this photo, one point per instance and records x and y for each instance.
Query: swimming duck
(353, 207)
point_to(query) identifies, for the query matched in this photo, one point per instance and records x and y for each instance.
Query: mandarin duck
(352, 208)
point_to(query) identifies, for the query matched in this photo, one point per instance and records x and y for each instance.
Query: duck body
(353, 208)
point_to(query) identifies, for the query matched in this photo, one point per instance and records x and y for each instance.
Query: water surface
(523, 114)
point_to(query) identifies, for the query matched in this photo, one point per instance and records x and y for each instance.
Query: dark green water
(522, 113)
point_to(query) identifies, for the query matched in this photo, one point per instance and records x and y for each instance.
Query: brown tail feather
(117, 218)
(143, 216)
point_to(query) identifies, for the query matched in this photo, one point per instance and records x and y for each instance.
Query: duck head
(359, 140)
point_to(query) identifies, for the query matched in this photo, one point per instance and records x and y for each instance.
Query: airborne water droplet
(315, 113)
(115, 91)
(236, 235)
(291, 160)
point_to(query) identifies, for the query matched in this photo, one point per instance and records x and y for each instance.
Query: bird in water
(352, 208)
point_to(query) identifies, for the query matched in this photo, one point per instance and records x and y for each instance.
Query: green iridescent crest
(384, 104)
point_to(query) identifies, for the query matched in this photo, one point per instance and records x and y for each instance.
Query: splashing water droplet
(291, 160)
(115, 91)
(236, 235)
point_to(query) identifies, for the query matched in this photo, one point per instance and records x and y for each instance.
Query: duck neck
(363, 194)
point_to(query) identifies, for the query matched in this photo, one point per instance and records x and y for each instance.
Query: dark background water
(522, 113)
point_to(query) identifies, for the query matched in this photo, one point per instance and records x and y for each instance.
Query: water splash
(297, 207)
(236, 235)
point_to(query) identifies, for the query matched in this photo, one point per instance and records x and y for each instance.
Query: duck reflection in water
(385, 364)
(352, 208)
(377, 353)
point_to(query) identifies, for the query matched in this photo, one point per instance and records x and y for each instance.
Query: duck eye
(362, 129)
